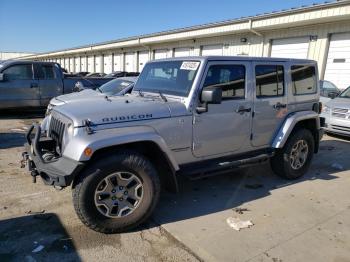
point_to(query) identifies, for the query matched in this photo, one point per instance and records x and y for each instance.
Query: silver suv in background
(190, 116)
(336, 114)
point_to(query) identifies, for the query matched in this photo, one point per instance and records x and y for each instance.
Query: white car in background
(336, 114)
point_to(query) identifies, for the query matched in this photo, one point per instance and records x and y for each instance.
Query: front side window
(304, 79)
(269, 80)
(19, 72)
(47, 72)
(168, 77)
(230, 78)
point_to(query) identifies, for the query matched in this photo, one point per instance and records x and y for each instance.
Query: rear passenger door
(225, 128)
(19, 88)
(50, 82)
(270, 101)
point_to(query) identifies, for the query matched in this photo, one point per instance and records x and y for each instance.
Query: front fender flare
(288, 125)
(114, 137)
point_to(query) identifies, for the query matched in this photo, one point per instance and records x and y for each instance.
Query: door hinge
(251, 136)
(253, 114)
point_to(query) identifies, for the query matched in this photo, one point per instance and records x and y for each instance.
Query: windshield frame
(115, 80)
(345, 91)
(169, 92)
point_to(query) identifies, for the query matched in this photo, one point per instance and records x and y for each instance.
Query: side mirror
(332, 95)
(209, 95)
(2, 77)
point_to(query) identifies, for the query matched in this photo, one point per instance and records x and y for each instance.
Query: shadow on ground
(220, 193)
(22, 113)
(20, 237)
(10, 140)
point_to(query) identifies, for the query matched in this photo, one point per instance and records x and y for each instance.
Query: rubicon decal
(127, 118)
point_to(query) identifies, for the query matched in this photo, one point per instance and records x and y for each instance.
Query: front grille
(341, 128)
(56, 131)
(340, 112)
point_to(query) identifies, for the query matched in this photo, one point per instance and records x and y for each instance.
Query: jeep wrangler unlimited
(192, 117)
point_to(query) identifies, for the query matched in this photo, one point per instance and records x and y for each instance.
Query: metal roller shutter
(83, 64)
(180, 52)
(291, 47)
(77, 64)
(129, 62)
(98, 64)
(212, 50)
(160, 54)
(71, 64)
(107, 60)
(338, 62)
(143, 59)
(117, 62)
(91, 64)
(66, 64)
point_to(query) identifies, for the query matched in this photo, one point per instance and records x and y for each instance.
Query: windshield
(168, 77)
(115, 86)
(346, 93)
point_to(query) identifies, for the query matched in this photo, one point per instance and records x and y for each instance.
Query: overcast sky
(46, 25)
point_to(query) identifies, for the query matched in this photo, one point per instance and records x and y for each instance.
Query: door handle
(33, 85)
(279, 106)
(241, 110)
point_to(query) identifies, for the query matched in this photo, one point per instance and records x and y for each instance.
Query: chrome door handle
(279, 106)
(241, 110)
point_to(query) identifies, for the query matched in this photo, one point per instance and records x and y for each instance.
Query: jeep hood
(100, 110)
(63, 99)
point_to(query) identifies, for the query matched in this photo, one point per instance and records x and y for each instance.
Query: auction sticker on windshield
(189, 65)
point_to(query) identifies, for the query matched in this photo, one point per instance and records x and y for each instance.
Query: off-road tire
(280, 163)
(85, 186)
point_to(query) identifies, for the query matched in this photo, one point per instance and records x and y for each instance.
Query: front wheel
(294, 159)
(116, 193)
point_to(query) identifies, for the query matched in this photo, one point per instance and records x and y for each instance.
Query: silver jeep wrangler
(192, 117)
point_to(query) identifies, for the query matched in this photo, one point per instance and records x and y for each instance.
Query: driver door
(225, 128)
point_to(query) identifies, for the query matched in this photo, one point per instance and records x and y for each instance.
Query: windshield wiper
(99, 89)
(162, 96)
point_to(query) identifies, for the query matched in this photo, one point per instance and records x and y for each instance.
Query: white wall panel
(66, 63)
(71, 64)
(83, 64)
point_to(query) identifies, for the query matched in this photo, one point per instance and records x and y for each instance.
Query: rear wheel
(117, 193)
(294, 159)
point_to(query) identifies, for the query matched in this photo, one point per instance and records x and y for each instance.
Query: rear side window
(19, 72)
(304, 79)
(269, 80)
(230, 78)
(47, 72)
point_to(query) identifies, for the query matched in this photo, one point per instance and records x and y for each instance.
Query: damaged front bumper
(56, 171)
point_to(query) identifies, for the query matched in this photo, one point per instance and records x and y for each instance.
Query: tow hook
(24, 160)
(34, 174)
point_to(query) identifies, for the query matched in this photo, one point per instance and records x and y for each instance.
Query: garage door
(107, 60)
(77, 64)
(91, 64)
(98, 64)
(71, 64)
(130, 62)
(211, 50)
(290, 47)
(66, 64)
(143, 59)
(338, 62)
(160, 54)
(117, 62)
(83, 64)
(180, 52)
